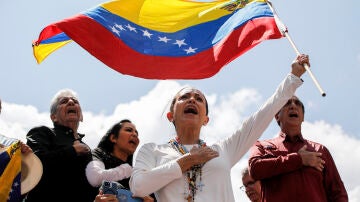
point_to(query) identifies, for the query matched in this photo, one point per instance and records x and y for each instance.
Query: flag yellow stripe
(43, 50)
(11, 171)
(168, 15)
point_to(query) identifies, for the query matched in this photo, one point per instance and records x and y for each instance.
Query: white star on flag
(164, 39)
(147, 34)
(190, 50)
(131, 28)
(120, 27)
(113, 29)
(180, 42)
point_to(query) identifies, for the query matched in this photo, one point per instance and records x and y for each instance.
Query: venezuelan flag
(10, 175)
(164, 39)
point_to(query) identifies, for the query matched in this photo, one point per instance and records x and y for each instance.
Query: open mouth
(190, 110)
(133, 142)
(71, 111)
(294, 114)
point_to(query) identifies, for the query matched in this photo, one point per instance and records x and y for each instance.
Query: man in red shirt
(292, 168)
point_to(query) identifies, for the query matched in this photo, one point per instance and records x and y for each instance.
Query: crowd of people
(186, 168)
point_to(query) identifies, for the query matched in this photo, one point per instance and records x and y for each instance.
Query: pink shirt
(283, 177)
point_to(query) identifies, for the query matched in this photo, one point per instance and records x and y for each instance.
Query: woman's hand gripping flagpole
(284, 31)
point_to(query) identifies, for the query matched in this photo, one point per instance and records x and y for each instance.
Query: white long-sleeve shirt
(96, 172)
(156, 169)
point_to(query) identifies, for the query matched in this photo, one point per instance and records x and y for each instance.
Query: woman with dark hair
(112, 158)
(188, 169)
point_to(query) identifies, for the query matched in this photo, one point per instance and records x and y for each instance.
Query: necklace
(191, 175)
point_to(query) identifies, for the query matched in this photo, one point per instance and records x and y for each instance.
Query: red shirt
(283, 177)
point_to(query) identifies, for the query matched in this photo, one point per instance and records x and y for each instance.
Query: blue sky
(327, 31)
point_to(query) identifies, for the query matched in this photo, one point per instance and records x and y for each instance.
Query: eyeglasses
(251, 183)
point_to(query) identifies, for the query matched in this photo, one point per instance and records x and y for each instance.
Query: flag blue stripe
(15, 194)
(57, 38)
(196, 38)
(4, 159)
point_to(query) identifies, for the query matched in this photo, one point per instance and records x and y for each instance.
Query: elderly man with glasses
(251, 187)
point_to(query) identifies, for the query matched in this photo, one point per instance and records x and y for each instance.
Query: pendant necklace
(191, 175)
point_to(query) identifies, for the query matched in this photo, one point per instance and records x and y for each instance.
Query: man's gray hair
(244, 171)
(60, 94)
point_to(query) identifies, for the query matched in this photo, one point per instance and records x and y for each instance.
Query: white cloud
(226, 113)
(16, 120)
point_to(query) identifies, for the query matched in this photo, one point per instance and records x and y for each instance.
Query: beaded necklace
(191, 175)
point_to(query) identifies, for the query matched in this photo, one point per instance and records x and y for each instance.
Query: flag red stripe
(109, 49)
(49, 32)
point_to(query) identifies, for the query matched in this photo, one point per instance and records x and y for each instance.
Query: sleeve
(96, 172)
(252, 128)
(334, 186)
(147, 177)
(263, 164)
(40, 140)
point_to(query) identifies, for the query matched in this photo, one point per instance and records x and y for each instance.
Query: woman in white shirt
(185, 168)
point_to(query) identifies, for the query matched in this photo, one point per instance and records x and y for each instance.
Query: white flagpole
(284, 31)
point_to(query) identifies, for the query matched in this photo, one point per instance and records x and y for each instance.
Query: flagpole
(284, 31)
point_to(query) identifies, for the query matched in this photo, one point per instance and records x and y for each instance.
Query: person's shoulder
(269, 140)
(99, 154)
(316, 145)
(44, 128)
(151, 147)
(267, 143)
(40, 129)
(155, 144)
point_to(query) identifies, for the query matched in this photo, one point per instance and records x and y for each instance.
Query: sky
(327, 31)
